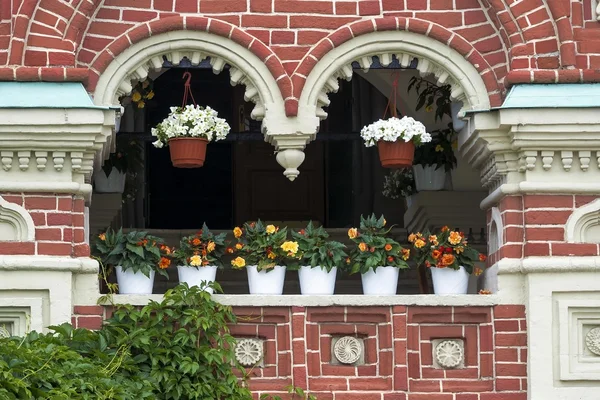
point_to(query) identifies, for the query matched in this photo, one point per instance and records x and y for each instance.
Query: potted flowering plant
(137, 256)
(199, 256)
(399, 183)
(396, 139)
(264, 252)
(187, 130)
(111, 178)
(320, 260)
(376, 256)
(449, 257)
(434, 159)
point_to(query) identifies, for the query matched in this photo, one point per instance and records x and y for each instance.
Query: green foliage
(429, 94)
(136, 251)
(205, 244)
(399, 183)
(261, 245)
(317, 251)
(69, 364)
(374, 248)
(296, 392)
(126, 158)
(439, 151)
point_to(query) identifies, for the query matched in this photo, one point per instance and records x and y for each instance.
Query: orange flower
(196, 241)
(102, 236)
(405, 254)
(478, 271)
(390, 259)
(302, 232)
(447, 260)
(388, 247)
(363, 246)
(229, 250)
(372, 249)
(434, 240)
(348, 260)
(436, 254)
(459, 249)
(419, 243)
(271, 255)
(485, 291)
(204, 253)
(211, 246)
(412, 237)
(482, 257)
(427, 264)
(237, 232)
(239, 246)
(164, 263)
(454, 238)
(352, 233)
(445, 228)
(165, 249)
(205, 262)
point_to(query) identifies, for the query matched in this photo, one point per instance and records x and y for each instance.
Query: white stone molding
(449, 353)
(15, 223)
(249, 352)
(84, 265)
(348, 350)
(583, 226)
(592, 341)
(446, 64)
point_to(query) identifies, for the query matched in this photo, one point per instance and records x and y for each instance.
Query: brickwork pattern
(398, 361)
(59, 225)
(513, 42)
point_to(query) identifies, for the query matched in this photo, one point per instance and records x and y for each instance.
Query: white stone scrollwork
(41, 158)
(592, 341)
(530, 160)
(59, 159)
(347, 350)
(584, 159)
(7, 159)
(249, 352)
(547, 158)
(24, 159)
(449, 353)
(567, 159)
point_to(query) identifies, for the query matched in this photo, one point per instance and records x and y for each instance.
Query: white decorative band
(81, 265)
(508, 266)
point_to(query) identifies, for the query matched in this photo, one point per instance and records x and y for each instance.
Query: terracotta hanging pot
(398, 154)
(188, 152)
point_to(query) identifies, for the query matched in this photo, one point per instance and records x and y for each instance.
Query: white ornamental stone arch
(135, 62)
(15, 223)
(583, 226)
(446, 64)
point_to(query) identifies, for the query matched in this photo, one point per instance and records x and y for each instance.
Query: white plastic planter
(316, 281)
(450, 281)
(381, 281)
(429, 178)
(195, 276)
(266, 282)
(113, 183)
(134, 282)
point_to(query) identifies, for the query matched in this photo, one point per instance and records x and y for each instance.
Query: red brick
(264, 21)
(88, 310)
(40, 203)
(511, 339)
(264, 6)
(424, 385)
(536, 249)
(416, 4)
(514, 203)
(345, 8)
(509, 311)
(378, 383)
(48, 234)
(438, 332)
(465, 373)
(583, 200)
(39, 219)
(430, 396)
(503, 396)
(325, 314)
(511, 369)
(400, 352)
(89, 322)
(358, 396)
(283, 337)
(429, 314)
(54, 249)
(65, 204)
(468, 386)
(17, 248)
(549, 201)
(399, 326)
(472, 314)
(486, 366)
(283, 37)
(550, 234)
(310, 37)
(508, 384)
(506, 326)
(369, 7)
(139, 16)
(574, 249)
(304, 7)
(222, 6)
(302, 21)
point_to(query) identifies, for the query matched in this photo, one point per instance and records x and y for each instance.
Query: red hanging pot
(188, 152)
(399, 154)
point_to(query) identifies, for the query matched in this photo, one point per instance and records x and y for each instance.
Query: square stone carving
(448, 353)
(347, 350)
(578, 328)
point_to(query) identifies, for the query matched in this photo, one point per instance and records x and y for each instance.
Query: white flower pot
(449, 281)
(316, 281)
(134, 282)
(381, 281)
(114, 183)
(429, 178)
(195, 276)
(264, 282)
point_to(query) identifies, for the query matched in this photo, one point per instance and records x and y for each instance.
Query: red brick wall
(59, 225)
(534, 225)
(519, 41)
(398, 350)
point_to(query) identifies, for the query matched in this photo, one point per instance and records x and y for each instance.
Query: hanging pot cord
(187, 90)
(391, 105)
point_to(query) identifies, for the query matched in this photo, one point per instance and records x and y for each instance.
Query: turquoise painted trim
(559, 95)
(46, 95)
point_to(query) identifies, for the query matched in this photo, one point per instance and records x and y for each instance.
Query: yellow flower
(102, 236)
(141, 104)
(434, 240)
(237, 232)
(459, 249)
(270, 229)
(290, 247)
(271, 255)
(150, 95)
(405, 254)
(238, 262)
(210, 246)
(239, 246)
(454, 238)
(136, 97)
(439, 148)
(478, 271)
(412, 237)
(419, 243)
(164, 263)
(384, 222)
(363, 246)
(429, 108)
(352, 233)
(195, 261)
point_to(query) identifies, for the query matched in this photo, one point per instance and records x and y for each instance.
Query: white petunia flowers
(393, 129)
(190, 121)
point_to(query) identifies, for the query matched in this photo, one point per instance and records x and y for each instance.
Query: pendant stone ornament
(449, 354)
(249, 352)
(592, 341)
(347, 350)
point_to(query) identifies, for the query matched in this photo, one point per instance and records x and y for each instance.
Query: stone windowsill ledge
(324, 301)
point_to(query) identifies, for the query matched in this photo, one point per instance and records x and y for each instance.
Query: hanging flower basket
(396, 139)
(187, 152)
